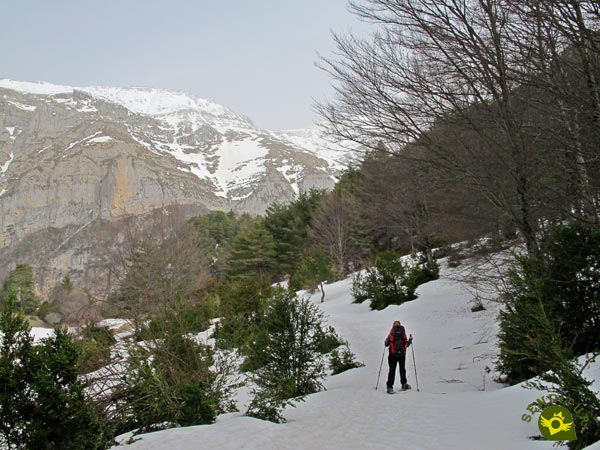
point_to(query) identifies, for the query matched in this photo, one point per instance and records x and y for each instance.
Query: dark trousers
(394, 359)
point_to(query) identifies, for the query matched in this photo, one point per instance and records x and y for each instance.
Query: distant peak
(38, 87)
(138, 99)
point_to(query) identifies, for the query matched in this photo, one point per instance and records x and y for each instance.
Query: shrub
(327, 340)
(392, 281)
(315, 268)
(288, 349)
(192, 315)
(563, 378)
(174, 380)
(342, 360)
(42, 403)
(95, 348)
(423, 268)
(561, 282)
(242, 308)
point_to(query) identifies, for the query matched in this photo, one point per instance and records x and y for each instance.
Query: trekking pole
(380, 366)
(414, 364)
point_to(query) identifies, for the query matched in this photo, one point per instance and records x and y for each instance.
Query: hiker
(398, 343)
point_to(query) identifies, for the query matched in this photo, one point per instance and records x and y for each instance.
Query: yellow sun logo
(556, 424)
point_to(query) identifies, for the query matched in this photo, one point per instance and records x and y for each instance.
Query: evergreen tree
(16, 405)
(42, 402)
(252, 253)
(216, 231)
(289, 225)
(173, 379)
(63, 418)
(561, 282)
(314, 269)
(20, 282)
(291, 367)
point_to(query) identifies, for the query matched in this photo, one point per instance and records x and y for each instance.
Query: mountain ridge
(71, 155)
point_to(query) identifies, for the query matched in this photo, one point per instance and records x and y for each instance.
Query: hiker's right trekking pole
(414, 363)
(380, 366)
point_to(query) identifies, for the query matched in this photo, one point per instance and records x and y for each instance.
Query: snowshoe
(390, 390)
(406, 387)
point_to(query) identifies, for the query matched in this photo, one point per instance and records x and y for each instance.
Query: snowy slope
(224, 149)
(452, 347)
(140, 100)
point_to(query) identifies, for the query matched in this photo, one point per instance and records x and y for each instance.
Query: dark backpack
(397, 344)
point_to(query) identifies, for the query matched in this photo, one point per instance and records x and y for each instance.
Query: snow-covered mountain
(73, 157)
(210, 141)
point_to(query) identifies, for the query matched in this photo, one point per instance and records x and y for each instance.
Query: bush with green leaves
(191, 314)
(422, 269)
(562, 282)
(572, 390)
(42, 400)
(328, 340)
(174, 380)
(289, 225)
(242, 308)
(392, 280)
(20, 283)
(315, 268)
(563, 378)
(95, 343)
(287, 348)
(343, 359)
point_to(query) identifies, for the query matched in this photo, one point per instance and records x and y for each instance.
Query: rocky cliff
(72, 159)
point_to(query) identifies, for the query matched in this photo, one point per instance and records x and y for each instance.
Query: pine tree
(15, 402)
(20, 282)
(252, 253)
(314, 270)
(288, 348)
(42, 402)
(289, 225)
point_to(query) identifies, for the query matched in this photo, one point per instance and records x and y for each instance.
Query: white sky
(256, 57)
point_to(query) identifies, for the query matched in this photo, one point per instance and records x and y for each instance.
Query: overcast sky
(254, 56)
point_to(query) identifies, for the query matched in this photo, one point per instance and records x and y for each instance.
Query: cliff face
(82, 158)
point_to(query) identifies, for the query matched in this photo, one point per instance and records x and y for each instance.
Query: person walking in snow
(398, 343)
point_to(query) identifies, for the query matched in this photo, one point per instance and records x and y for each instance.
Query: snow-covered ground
(452, 346)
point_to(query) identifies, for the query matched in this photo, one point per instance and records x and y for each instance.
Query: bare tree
(160, 262)
(335, 228)
(559, 46)
(449, 78)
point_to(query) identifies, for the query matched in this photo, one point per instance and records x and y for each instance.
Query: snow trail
(453, 346)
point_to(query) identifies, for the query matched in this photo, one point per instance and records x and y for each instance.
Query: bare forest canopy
(492, 108)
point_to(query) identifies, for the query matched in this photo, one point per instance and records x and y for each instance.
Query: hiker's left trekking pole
(380, 366)
(414, 363)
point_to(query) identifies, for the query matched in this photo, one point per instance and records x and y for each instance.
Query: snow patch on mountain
(240, 163)
(211, 141)
(6, 165)
(23, 106)
(293, 174)
(74, 144)
(314, 141)
(100, 140)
